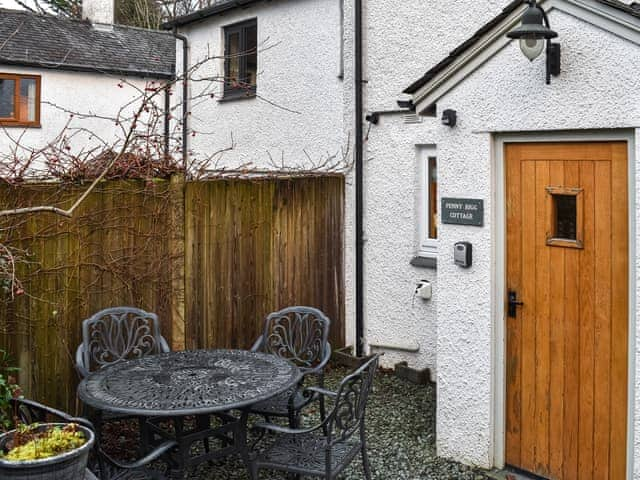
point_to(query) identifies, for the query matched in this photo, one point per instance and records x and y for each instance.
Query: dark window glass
(565, 208)
(251, 54)
(233, 59)
(7, 98)
(241, 58)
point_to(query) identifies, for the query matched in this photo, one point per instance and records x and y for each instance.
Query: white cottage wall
(599, 88)
(400, 48)
(298, 107)
(62, 93)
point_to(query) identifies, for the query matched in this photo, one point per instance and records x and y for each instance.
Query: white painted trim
(427, 247)
(482, 51)
(607, 18)
(499, 252)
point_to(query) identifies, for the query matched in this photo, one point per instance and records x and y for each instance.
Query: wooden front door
(567, 262)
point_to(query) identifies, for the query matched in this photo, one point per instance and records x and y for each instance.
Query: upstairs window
(19, 100)
(241, 59)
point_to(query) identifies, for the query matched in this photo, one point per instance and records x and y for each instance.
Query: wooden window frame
(552, 241)
(428, 244)
(16, 122)
(231, 92)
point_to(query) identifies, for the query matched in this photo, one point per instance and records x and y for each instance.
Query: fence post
(176, 254)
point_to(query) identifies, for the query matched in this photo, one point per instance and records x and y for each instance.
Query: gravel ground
(400, 435)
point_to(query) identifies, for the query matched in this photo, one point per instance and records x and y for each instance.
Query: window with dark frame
(19, 100)
(241, 59)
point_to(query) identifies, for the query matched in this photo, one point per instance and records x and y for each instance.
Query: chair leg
(323, 415)
(323, 410)
(253, 471)
(145, 440)
(204, 423)
(365, 461)
(293, 419)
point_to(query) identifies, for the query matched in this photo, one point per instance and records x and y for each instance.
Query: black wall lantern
(533, 34)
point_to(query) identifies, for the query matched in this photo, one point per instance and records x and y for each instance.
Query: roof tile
(53, 42)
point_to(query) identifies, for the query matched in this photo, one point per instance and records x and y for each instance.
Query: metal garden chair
(326, 449)
(102, 466)
(116, 334)
(113, 335)
(299, 334)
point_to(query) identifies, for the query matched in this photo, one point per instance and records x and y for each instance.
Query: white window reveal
(428, 202)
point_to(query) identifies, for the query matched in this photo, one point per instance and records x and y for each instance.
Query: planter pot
(70, 465)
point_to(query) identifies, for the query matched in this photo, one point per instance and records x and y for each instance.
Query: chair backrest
(120, 333)
(299, 334)
(351, 401)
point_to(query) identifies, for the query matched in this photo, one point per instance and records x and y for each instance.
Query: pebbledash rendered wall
(598, 90)
(87, 95)
(402, 40)
(297, 112)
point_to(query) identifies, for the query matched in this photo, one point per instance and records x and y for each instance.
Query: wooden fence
(211, 258)
(113, 251)
(255, 247)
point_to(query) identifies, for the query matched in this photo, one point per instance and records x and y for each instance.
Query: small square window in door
(565, 217)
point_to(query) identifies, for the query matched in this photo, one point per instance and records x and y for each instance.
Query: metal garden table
(202, 385)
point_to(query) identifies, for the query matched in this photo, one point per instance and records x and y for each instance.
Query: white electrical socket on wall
(423, 290)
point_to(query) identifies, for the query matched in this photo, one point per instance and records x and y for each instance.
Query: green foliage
(31, 444)
(8, 389)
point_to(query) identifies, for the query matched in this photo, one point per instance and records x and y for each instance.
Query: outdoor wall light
(534, 33)
(450, 118)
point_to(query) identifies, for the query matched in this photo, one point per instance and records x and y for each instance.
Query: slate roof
(46, 41)
(633, 9)
(218, 7)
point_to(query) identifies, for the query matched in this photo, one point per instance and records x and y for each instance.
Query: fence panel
(211, 260)
(255, 246)
(114, 251)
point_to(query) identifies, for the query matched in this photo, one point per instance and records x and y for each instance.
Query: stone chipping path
(400, 432)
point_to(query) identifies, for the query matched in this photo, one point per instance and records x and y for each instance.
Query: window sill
(421, 261)
(19, 125)
(232, 97)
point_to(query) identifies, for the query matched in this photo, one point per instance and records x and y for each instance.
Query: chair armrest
(164, 345)
(44, 409)
(256, 346)
(82, 370)
(321, 391)
(146, 460)
(280, 429)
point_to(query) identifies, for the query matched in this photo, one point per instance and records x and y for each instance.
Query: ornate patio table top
(188, 382)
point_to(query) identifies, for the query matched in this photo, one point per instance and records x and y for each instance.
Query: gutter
(185, 95)
(359, 180)
(71, 67)
(215, 9)
(167, 120)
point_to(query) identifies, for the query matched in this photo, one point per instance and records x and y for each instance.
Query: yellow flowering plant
(30, 442)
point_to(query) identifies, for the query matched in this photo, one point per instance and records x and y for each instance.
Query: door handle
(512, 303)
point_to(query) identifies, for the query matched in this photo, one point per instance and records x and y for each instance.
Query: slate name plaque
(463, 211)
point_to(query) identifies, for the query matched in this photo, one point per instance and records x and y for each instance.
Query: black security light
(534, 32)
